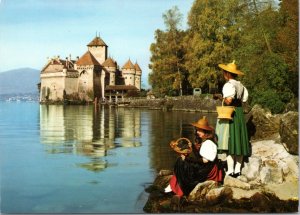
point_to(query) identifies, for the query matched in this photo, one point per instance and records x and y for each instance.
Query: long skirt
(188, 175)
(238, 135)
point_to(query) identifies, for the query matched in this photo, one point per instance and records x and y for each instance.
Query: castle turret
(128, 73)
(111, 66)
(98, 48)
(90, 76)
(138, 75)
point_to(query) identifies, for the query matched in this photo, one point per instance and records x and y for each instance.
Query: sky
(33, 30)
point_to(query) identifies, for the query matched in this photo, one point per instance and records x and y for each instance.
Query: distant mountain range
(19, 81)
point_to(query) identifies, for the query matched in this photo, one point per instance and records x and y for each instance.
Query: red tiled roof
(109, 63)
(87, 59)
(128, 65)
(97, 41)
(137, 67)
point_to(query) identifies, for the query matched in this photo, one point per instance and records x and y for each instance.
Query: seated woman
(200, 165)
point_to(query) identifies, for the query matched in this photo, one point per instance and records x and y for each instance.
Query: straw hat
(202, 124)
(231, 67)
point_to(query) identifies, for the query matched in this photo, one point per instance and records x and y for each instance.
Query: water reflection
(88, 131)
(167, 126)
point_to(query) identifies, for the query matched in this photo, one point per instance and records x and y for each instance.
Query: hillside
(19, 81)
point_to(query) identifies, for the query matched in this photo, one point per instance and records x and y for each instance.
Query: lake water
(82, 159)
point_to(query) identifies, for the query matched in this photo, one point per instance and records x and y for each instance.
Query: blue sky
(32, 30)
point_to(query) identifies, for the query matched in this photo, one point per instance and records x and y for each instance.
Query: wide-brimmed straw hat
(231, 67)
(203, 124)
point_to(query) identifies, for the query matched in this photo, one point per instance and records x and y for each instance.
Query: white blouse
(233, 87)
(208, 150)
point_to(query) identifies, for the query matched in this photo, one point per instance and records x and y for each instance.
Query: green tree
(267, 76)
(270, 85)
(287, 41)
(168, 74)
(211, 38)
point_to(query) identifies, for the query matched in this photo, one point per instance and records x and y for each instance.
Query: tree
(267, 77)
(213, 33)
(168, 74)
(287, 41)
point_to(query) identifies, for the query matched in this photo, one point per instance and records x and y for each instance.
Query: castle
(93, 76)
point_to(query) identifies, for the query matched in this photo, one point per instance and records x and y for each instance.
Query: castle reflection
(94, 133)
(88, 131)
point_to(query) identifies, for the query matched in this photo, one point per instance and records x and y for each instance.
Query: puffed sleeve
(245, 97)
(228, 90)
(208, 150)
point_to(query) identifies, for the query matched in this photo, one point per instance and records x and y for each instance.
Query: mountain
(19, 81)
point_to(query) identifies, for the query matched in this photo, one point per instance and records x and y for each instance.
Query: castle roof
(87, 59)
(97, 41)
(137, 67)
(59, 63)
(128, 65)
(109, 62)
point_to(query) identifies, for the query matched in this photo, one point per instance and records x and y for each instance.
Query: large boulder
(289, 131)
(261, 123)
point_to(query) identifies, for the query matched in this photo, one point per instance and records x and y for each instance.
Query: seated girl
(198, 166)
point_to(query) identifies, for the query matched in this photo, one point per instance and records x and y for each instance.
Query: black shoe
(235, 175)
(231, 175)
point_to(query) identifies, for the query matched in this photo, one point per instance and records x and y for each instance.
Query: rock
(293, 164)
(264, 124)
(208, 197)
(238, 193)
(259, 201)
(276, 175)
(292, 105)
(252, 168)
(234, 182)
(265, 175)
(201, 189)
(164, 172)
(269, 150)
(289, 131)
(214, 196)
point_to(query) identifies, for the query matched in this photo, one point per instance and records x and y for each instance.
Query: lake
(82, 159)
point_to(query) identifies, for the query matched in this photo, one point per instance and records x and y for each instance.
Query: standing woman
(232, 134)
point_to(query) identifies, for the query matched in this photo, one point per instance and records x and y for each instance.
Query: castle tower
(128, 72)
(90, 76)
(138, 75)
(111, 67)
(98, 48)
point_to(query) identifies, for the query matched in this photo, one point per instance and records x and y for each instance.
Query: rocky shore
(269, 180)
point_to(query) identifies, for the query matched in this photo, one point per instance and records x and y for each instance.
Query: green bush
(268, 99)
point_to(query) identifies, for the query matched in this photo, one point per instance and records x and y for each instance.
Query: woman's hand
(204, 160)
(217, 96)
(182, 157)
(228, 100)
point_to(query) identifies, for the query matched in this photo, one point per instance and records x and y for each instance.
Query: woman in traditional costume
(198, 166)
(232, 133)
